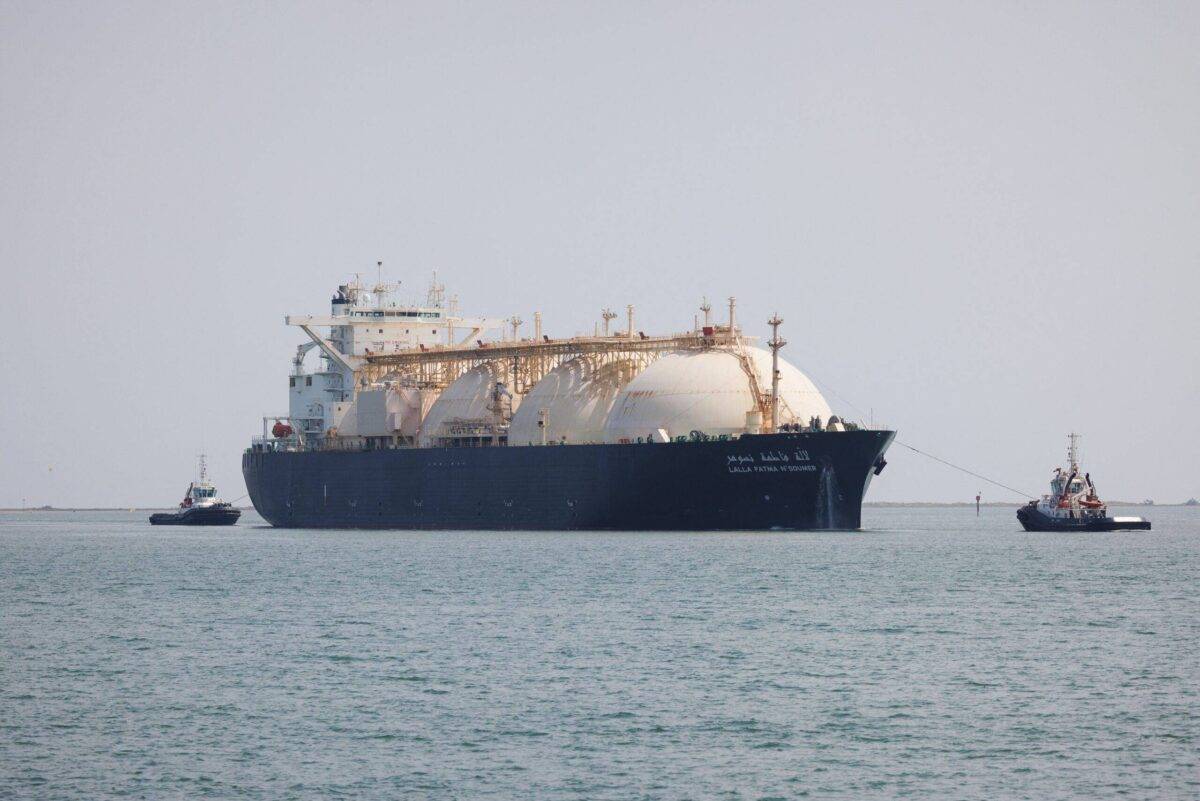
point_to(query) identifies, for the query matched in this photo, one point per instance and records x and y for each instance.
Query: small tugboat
(199, 507)
(1073, 504)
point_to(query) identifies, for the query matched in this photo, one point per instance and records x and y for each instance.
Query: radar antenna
(436, 297)
(609, 315)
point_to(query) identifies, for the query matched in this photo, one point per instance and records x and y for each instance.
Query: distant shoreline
(1004, 504)
(866, 504)
(97, 508)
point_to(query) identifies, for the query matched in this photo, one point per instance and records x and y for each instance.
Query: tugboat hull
(1033, 519)
(206, 516)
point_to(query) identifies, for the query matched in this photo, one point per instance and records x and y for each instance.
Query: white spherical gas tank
(708, 391)
(572, 401)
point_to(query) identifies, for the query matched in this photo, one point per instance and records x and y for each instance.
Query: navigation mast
(609, 315)
(776, 343)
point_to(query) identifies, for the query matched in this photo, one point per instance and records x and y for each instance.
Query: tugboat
(1073, 504)
(199, 507)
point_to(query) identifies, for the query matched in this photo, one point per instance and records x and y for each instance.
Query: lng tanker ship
(415, 417)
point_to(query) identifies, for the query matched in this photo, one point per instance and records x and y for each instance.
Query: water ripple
(934, 655)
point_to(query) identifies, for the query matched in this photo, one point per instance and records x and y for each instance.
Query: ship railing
(275, 444)
(570, 346)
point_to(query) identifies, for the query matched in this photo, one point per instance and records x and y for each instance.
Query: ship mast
(732, 335)
(609, 315)
(1073, 451)
(776, 343)
(435, 298)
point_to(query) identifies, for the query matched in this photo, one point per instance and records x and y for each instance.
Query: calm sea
(933, 655)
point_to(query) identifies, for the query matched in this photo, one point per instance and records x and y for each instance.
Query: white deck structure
(393, 375)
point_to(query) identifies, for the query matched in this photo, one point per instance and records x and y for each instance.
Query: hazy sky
(980, 221)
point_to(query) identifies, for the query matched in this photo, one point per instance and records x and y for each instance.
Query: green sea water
(932, 655)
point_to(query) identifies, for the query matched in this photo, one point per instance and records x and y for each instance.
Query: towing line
(964, 470)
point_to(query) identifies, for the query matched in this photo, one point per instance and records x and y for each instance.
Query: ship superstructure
(435, 390)
(365, 324)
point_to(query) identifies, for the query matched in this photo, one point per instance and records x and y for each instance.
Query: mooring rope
(965, 470)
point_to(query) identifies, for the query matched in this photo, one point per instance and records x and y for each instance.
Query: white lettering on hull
(771, 462)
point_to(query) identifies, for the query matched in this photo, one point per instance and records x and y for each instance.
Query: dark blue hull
(1032, 519)
(794, 481)
(197, 516)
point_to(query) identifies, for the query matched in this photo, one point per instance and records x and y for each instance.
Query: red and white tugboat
(1073, 504)
(199, 507)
